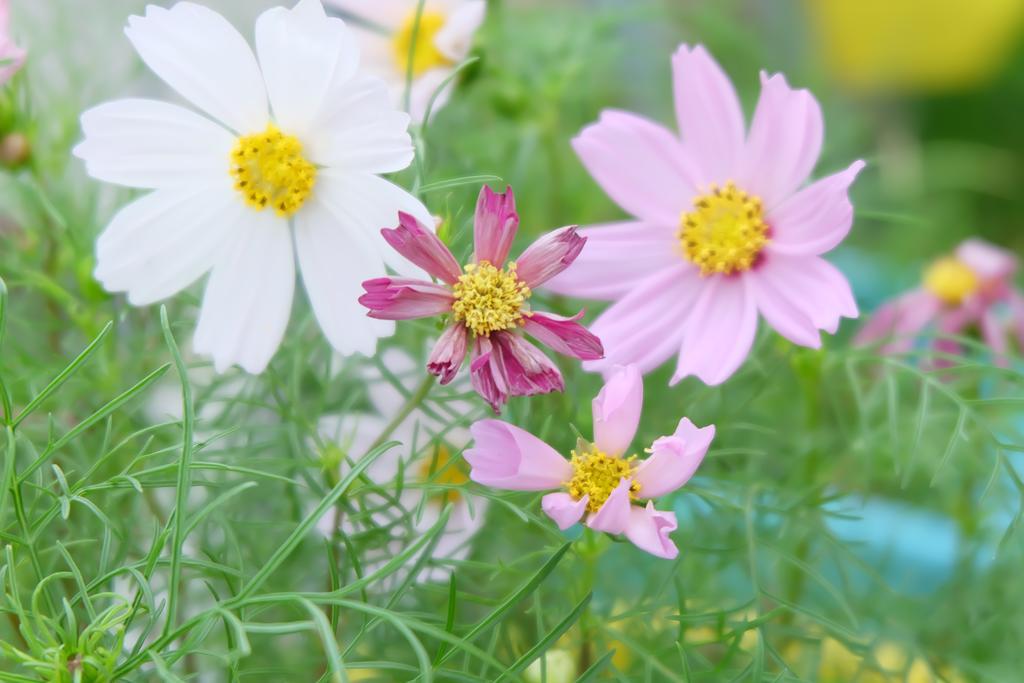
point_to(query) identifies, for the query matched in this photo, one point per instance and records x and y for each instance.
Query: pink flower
(723, 228)
(967, 289)
(487, 302)
(11, 55)
(599, 482)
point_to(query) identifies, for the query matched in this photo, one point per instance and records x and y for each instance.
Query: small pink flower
(599, 482)
(724, 228)
(12, 55)
(972, 287)
(487, 302)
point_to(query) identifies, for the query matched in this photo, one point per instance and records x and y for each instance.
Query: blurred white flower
(429, 453)
(443, 39)
(230, 198)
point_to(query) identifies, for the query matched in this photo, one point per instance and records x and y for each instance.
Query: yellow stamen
(425, 55)
(950, 280)
(725, 232)
(488, 299)
(597, 474)
(439, 469)
(270, 171)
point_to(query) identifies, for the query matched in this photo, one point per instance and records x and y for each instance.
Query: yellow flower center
(725, 232)
(270, 171)
(950, 280)
(439, 469)
(488, 299)
(596, 474)
(425, 55)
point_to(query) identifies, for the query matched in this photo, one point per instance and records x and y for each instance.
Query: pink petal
(796, 293)
(613, 517)
(784, 142)
(1016, 304)
(987, 260)
(561, 508)
(616, 259)
(673, 459)
(616, 410)
(994, 334)
(815, 219)
(639, 164)
(506, 365)
(494, 226)
(899, 321)
(448, 353)
(507, 457)
(421, 246)
(646, 326)
(564, 335)
(719, 331)
(393, 298)
(549, 256)
(648, 529)
(710, 118)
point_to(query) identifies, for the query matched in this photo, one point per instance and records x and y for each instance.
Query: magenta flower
(598, 481)
(11, 56)
(722, 230)
(972, 287)
(487, 302)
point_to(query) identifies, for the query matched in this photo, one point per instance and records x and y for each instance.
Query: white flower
(231, 197)
(426, 454)
(444, 38)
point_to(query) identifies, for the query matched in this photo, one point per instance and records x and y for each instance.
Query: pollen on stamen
(489, 299)
(725, 232)
(596, 475)
(270, 171)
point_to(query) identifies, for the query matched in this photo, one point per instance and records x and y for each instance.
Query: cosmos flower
(599, 482)
(442, 40)
(235, 184)
(973, 287)
(487, 302)
(11, 56)
(723, 229)
(427, 464)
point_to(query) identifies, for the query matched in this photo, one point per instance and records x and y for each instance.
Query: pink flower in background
(723, 230)
(487, 302)
(599, 482)
(11, 56)
(972, 287)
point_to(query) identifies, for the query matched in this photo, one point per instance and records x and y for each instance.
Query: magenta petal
(507, 457)
(421, 246)
(494, 226)
(506, 365)
(563, 509)
(815, 219)
(709, 113)
(613, 517)
(448, 353)
(549, 256)
(719, 331)
(648, 529)
(392, 298)
(564, 335)
(673, 459)
(784, 142)
(616, 410)
(616, 259)
(642, 166)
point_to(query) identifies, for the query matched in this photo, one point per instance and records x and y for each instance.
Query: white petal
(423, 90)
(364, 204)
(388, 14)
(360, 129)
(200, 54)
(456, 37)
(249, 296)
(335, 259)
(150, 144)
(163, 242)
(302, 52)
